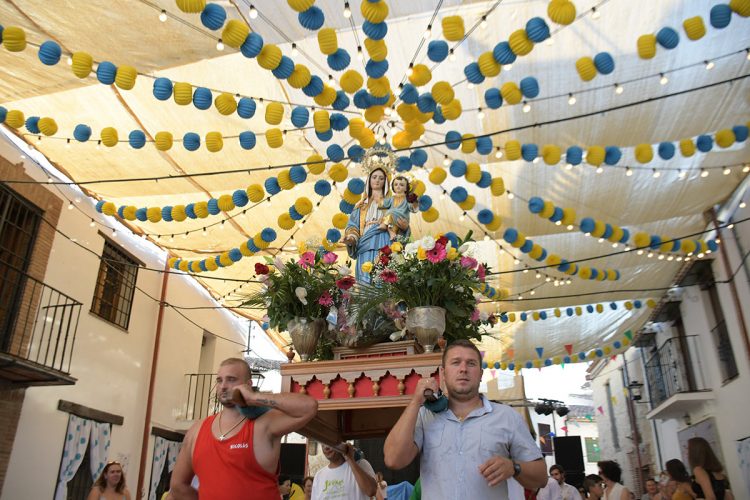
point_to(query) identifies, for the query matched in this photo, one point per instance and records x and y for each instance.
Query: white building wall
(113, 366)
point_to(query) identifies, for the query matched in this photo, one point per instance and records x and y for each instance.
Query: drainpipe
(154, 359)
(732, 286)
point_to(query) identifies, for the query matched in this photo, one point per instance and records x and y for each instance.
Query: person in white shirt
(345, 477)
(557, 488)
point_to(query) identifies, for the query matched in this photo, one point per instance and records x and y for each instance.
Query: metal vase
(305, 334)
(427, 324)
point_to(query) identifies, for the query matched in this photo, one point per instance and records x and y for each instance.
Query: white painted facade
(112, 365)
(727, 401)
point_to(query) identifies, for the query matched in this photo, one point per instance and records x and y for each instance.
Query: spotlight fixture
(562, 411)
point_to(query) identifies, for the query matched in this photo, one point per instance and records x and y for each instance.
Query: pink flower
(468, 262)
(345, 283)
(437, 254)
(475, 316)
(480, 272)
(330, 257)
(389, 276)
(325, 299)
(307, 259)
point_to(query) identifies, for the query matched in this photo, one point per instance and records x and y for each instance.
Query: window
(592, 450)
(115, 286)
(612, 420)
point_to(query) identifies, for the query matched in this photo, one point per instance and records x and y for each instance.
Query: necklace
(223, 436)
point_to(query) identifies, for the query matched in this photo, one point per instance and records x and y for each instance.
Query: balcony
(37, 331)
(675, 379)
(201, 394)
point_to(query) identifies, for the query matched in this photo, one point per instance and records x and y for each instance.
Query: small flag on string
(510, 352)
(590, 418)
(614, 400)
(492, 372)
(482, 353)
(575, 423)
(564, 428)
(625, 391)
(540, 351)
(614, 357)
(569, 349)
(601, 410)
(629, 334)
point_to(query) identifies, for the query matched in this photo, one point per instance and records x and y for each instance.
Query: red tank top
(228, 469)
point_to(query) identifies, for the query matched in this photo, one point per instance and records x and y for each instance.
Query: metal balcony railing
(201, 396)
(674, 368)
(38, 323)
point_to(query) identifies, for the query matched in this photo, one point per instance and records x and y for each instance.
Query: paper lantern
(109, 137)
(32, 124)
(704, 143)
(604, 63)
(247, 140)
(183, 93)
(497, 187)
(740, 133)
(163, 141)
(519, 43)
(511, 93)
(473, 172)
(644, 153)
(269, 57)
(301, 76)
(420, 75)
(561, 11)
(246, 107)
(339, 60)
(49, 53)
(725, 138)
(687, 148)
(225, 103)
(322, 121)
(202, 98)
(285, 68)
(274, 138)
(694, 28)
(339, 221)
(529, 152)
(377, 49)
(82, 63)
(14, 39)
(586, 68)
(374, 12)
(312, 18)
(82, 133)
(252, 45)
(667, 38)
(106, 72)
(487, 65)
(721, 15)
(647, 46)
(213, 16)
(379, 87)
(191, 6)
(437, 50)
(162, 88)
(453, 28)
(503, 53)
(468, 143)
(153, 214)
(595, 155)
(537, 30)
(452, 110)
(529, 87)
(274, 113)
(376, 31)
(513, 150)
(214, 142)
(47, 126)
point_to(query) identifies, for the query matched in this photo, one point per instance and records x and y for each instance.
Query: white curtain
(165, 451)
(101, 435)
(76, 441)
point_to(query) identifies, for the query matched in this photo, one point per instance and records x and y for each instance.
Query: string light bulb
(360, 55)
(746, 169)
(571, 99)
(508, 67)
(681, 174)
(498, 153)
(463, 217)
(656, 174)
(253, 12)
(743, 204)
(727, 170)
(663, 79)
(347, 10)
(595, 14)
(709, 65)
(483, 24)
(526, 107)
(70, 205)
(295, 52)
(410, 71)
(428, 32)
(628, 171)
(92, 223)
(704, 173)
(451, 56)
(446, 161)
(220, 45)
(162, 18)
(480, 115)
(511, 195)
(599, 169)
(619, 89)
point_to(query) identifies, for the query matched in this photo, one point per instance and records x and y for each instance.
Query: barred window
(115, 285)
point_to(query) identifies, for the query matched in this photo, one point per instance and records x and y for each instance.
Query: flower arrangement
(428, 272)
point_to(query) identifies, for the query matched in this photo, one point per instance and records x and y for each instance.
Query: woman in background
(110, 485)
(307, 487)
(611, 473)
(710, 481)
(592, 486)
(679, 474)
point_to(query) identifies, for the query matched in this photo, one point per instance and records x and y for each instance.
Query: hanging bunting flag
(614, 400)
(492, 372)
(613, 357)
(590, 418)
(511, 352)
(482, 353)
(540, 351)
(625, 391)
(629, 334)
(564, 428)
(601, 410)
(569, 349)
(551, 434)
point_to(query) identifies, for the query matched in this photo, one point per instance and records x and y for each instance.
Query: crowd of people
(468, 447)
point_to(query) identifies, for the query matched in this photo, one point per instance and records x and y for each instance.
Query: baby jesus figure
(403, 202)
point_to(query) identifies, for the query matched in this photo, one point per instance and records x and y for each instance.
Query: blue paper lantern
(493, 98)
(246, 107)
(574, 155)
(547, 362)
(285, 68)
(612, 155)
(529, 87)
(536, 204)
(235, 255)
(453, 238)
(458, 169)
(437, 50)
(453, 140)
(704, 143)
(543, 316)
(81, 132)
(376, 31)
(564, 266)
(524, 317)
(418, 157)
(409, 94)
(312, 19)
(333, 235)
(485, 216)
(666, 150)
(510, 235)
(272, 185)
(137, 139)
(294, 214)
(438, 117)
(300, 116)
(485, 180)
(528, 364)
(252, 45)
(637, 304)
(49, 53)
(380, 101)
(213, 16)
(32, 124)
(189, 211)
(484, 145)
(604, 63)
(252, 246)
(557, 215)
(721, 15)
(566, 359)
(162, 88)
(459, 194)
(569, 311)
(121, 211)
(511, 366)
(425, 202)
(166, 213)
(106, 72)
(667, 38)
(537, 29)
(587, 225)
(590, 308)
(142, 215)
(297, 174)
(3, 111)
(202, 98)
(503, 53)
(361, 99)
(341, 102)
(322, 187)
(335, 152)
(473, 74)
(315, 86)
(356, 153)
(740, 133)
(608, 229)
(712, 245)
(247, 139)
(339, 60)
(625, 235)
(376, 69)
(403, 164)
(345, 207)
(527, 246)
(356, 185)
(425, 103)
(529, 151)
(213, 206)
(324, 136)
(338, 121)
(202, 265)
(268, 235)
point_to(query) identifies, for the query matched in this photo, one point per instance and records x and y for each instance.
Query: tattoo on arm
(266, 402)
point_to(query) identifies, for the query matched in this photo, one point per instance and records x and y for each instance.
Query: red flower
(325, 299)
(389, 276)
(384, 259)
(261, 268)
(411, 197)
(442, 241)
(386, 250)
(346, 282)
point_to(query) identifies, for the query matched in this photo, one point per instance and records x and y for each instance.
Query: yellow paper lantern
(430, 215)
(109, 208)
(269, 57)
(300, 77)
(351, 81)
(350, 197)
(553, 260)
(547, 210)
(551, 154)
(468, 143)
(642, 239)
(488, 66)
(688, 246)
(183, 266)
(327, 41)
(153, 214)
(326, 97)
(14, 39)
(260, 242)
(338, 172)
(694, 27)
(274, 138)
(519, 43)
(183, 93)
(303, 205)
(494, 224)
(191, 6)
(47, 126)
(536, 251)
(617, 234)
(468, 203)
(82, 63)
(561, 11)
(687, 148)
(724, 137)
(644, 153)
(235, 33)
(452, 110)
(377, 49)
(225, 260)
(367, 139)
(418, 187)
(407, 112)
(595, 155)
(225, 203)
(586, 68)
(178, 213)
(740, 7)
(420, 75)
(647, 46)
(225, 103)
(453, 28)
(125, 77)
(340, 220)
(379, 87)
(374, 114)
(651, 303)
(585, 273)
(128, 212)
(520, 241)
(511, 93)
(497, 186)
(211, 264)
(15, 118)
(438, 175)
(315, 164)
(200, 209)
(244, 250)
(569, 216)
(109, 137)
(375, 12)
(414, 129)
(285, 221)
(599, 228)
(321, 121)
(274, 113)
(285, 182)
(513, 150)
(214, 142)
(402, 140)
(473, 172)
(195, 266)
(255, 192)
(356, 127)
(163, 141)
(300, 5)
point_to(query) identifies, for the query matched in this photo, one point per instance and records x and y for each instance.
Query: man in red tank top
(234, 453)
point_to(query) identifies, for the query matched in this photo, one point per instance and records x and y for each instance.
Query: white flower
(344, 271)
(398, 258)
(483, 316)
(428, 242)
(463, 248)
(411, 248)
(301, 294)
